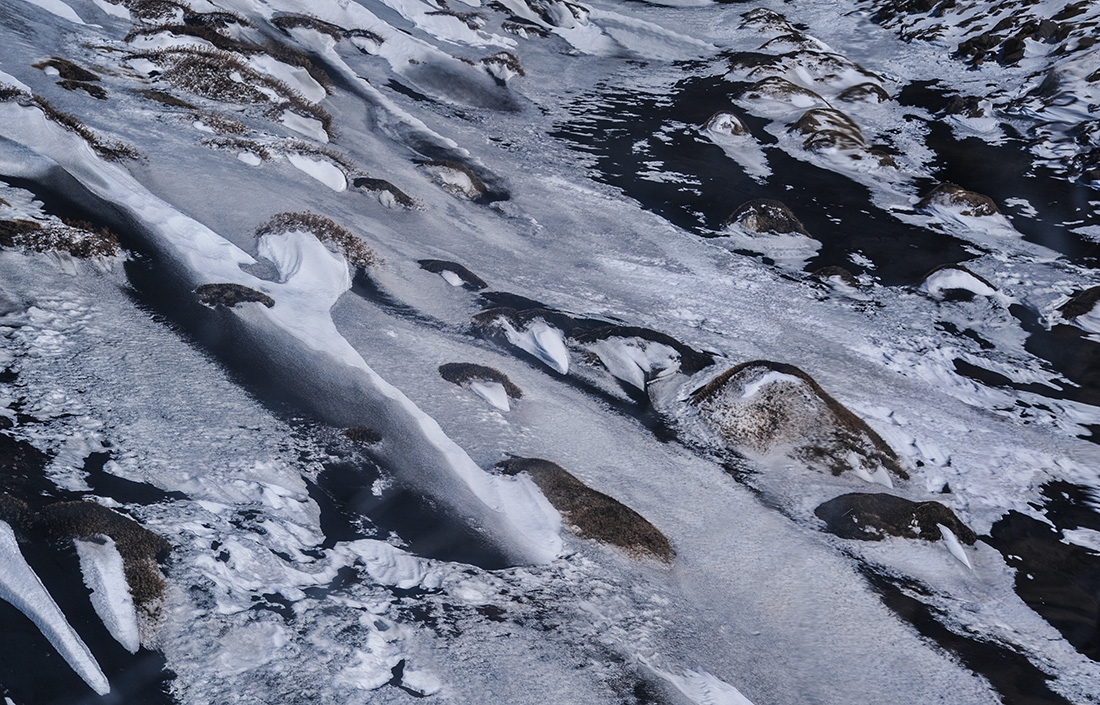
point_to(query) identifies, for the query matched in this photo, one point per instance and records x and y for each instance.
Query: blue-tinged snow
(101, 564)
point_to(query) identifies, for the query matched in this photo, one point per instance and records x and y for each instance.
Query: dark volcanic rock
(231, 295)
(462, 373)
(874, 516)
(438, 266)
(956, 197)
(1082, 302)
(777, 88)
(833, 272)
(592, 514)
(725, 122)
(767, 407)
(766, 216)
(382, 186)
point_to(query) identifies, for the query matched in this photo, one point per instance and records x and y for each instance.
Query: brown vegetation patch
(363, 435)
(473, 20)
(524, 28)
(864, 92)
(15, 512)
(140, 548)
(77, 238)
(506, 59)
(375, 185)
(819, 429)
(1082, 302)
(220, 122)
(325, 230)
(240, 145)
(438, 266)
(166, 99)
(290, 21)
(819, 121)
(109, 150)
(778, 88)
(67, 70)
(590, 513)
(231, 294)
(874, 516)
(764, 215)
(211, 73)
(953, 196)
(149, 10)
(462, 373)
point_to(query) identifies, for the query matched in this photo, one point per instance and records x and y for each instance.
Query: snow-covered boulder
(1082, 309)
(764, 216)
(826, 128)
(489, 383)
(866, 92)
(956, 281)
(590, 513)
(539, 332)
(725, 123)
(874, 516)
(957, 199)
(774, 410)
(455, 274)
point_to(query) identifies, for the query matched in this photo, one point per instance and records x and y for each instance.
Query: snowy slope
(339, 531)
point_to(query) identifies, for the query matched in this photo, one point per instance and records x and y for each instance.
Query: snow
(294, 76)
(633, 360)
(310, 127)
(101, 564)
(703, 688)
(59, 8)
(1085, 538)
(20, 587)
(542, 340)
(492, 392)
(112, 9)
(321, 169)
(950, 278)
(952, 542)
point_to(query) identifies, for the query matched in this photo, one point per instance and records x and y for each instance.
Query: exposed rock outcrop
(767, 408)
(874, 516)
(955, 197)
(592, 514)
(766, 216)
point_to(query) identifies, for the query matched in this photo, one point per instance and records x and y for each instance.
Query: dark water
(835, 210)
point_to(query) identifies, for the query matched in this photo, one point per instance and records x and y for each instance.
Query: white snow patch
(788, 250)
(1085, 538)
(20, 587)
(321, 169)
(451, 278)
(704, 689)
(13, 81)
(301, 124)
(492, 392)
(542, 340)
(950, 278)
(294, 76)
(58, 8)
(250, 158)
(392, 567)
(113, 10)
(634, 360)
(953, 545)
(101, 564)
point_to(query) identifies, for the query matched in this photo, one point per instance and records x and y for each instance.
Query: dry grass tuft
(222, 76)
(149, 10)
(290, 21)
(220, 122)
(592, 514)
(325, 230)
(109, 150)
(240, 145)
(166, 99)
(79, 239)
(506, 59)
(140, 548)
(67, 70)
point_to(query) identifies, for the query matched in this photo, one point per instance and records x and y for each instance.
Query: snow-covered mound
(774, 409)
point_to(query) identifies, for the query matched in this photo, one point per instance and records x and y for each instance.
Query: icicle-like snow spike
(22, 588)
(101, 564)
(882, 477)
(954, 546)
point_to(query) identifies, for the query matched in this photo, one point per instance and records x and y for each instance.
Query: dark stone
(951, 195)
(592, 514)
(1082, 302)
(438, 266)
(363, 435)
(874, 516)
(766, 216)
(864, 92)
(399, 196)
(826, 273)
(231, 294)
(462, 373)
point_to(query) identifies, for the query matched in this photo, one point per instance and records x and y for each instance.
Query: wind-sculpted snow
(374, 257)
(22, 588)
